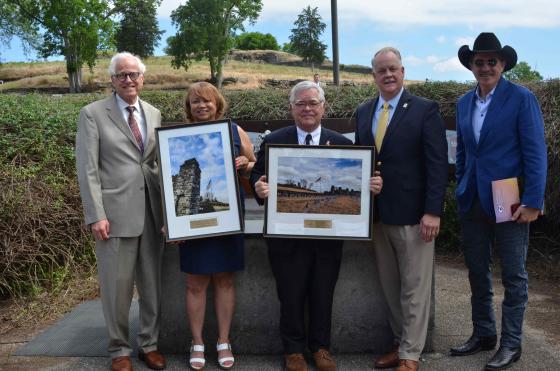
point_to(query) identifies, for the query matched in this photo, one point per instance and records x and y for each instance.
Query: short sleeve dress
(216, 254)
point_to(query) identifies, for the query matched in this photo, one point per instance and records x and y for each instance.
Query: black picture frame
(198, 179)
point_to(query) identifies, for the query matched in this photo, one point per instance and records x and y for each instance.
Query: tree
(206, 29)
(138, 31)
(256, 41)
(305, 36)
(523, 72)
(72, 28)
(12, 24)
(287, 47)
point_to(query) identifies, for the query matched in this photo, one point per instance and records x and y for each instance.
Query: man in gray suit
(118, 176)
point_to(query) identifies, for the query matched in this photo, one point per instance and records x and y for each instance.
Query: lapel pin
(405, 105)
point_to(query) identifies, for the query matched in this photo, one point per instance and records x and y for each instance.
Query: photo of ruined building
(198, 174)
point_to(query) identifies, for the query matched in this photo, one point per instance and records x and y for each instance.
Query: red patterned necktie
(134, 127)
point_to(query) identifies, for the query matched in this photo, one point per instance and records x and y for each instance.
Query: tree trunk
(213, 68)
(74, 80)
(220, 59)
(219, 74)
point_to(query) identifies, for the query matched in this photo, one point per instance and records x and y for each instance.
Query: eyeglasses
(492, 62)
(310, 104)
(123, 75)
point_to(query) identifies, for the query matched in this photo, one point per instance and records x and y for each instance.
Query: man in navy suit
(412, 159)
(305, 270)
(500, 135)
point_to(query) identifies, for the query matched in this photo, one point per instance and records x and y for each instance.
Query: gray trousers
(405, 264)
(121, 262)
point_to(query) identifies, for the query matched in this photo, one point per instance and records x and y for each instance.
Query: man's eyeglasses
(310, 104)
(123, 75)
(492, 62)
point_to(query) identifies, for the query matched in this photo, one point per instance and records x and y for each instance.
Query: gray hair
(387, 49)
(305, 85)
(117, 57)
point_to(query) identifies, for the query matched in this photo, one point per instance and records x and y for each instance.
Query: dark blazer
(511, 144)
(412, 161)
(288, 135)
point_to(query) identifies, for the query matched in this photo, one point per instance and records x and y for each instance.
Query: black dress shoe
(474, 345)
(504, 358)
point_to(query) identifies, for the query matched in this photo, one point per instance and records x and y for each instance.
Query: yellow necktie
(382, 126)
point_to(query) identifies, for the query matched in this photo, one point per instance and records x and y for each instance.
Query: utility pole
(334, 20)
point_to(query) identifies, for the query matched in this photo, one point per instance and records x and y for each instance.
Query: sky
(309, 169)
(208, 151)
(428, 33)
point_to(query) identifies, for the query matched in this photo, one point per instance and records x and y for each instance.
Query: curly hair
(206, 91)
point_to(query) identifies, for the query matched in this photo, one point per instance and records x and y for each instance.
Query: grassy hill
(243, 70)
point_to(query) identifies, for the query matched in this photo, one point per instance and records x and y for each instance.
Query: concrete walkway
(541, 349)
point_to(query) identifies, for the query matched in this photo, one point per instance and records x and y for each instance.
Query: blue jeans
(511, 241)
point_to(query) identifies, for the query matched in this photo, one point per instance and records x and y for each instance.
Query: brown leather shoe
(153, 359)
(324, 361)
(121, 364)
(389, 360)
(407, 365)
(295, 362)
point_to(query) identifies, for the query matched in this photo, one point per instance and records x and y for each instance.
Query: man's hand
(100, 230)
(261, 187)
(376, 183)
(429, 227)
(525, 214)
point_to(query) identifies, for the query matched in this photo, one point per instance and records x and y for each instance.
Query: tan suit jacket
(113, 175)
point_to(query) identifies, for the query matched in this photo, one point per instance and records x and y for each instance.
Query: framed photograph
(200, 193)
(319, 192)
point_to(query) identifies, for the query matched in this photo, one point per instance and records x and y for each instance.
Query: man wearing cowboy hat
(500, 135)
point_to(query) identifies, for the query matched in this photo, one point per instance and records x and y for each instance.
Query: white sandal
(223, 360)
(192, 360)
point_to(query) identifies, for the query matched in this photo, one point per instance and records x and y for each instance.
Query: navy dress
(216, 254)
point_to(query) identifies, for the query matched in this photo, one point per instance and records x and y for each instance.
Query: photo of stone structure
(186, 188)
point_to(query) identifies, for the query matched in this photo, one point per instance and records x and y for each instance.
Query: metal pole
(334, 19)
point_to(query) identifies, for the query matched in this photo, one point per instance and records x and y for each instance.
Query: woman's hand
(241, 163)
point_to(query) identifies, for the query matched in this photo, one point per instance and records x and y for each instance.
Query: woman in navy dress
(213, 259)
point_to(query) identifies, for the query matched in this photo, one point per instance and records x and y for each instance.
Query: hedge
(43, 243)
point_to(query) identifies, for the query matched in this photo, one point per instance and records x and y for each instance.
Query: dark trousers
(306, 272)
(511, 241)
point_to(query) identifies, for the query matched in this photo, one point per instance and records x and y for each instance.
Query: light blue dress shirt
(392, 104)
(480, 110)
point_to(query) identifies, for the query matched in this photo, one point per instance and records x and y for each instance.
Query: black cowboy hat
(484, 43)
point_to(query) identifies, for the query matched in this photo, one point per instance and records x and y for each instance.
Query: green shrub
(43, 243)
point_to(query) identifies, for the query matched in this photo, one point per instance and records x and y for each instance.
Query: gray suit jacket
(116, 181)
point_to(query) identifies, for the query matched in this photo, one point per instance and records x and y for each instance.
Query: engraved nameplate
(310, 223)
(204, 223)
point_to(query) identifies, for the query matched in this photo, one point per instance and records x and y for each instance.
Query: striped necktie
(134, 127)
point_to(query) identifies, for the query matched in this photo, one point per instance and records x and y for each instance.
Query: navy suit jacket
(412, 160)
(511, 144)
(288, 135)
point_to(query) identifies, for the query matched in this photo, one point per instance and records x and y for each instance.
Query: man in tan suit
(118, 176)
(409, 136)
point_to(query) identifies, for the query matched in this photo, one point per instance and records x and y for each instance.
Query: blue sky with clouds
(311, 169)
(428, 32)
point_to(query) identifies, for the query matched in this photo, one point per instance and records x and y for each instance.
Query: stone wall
(186, 188)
